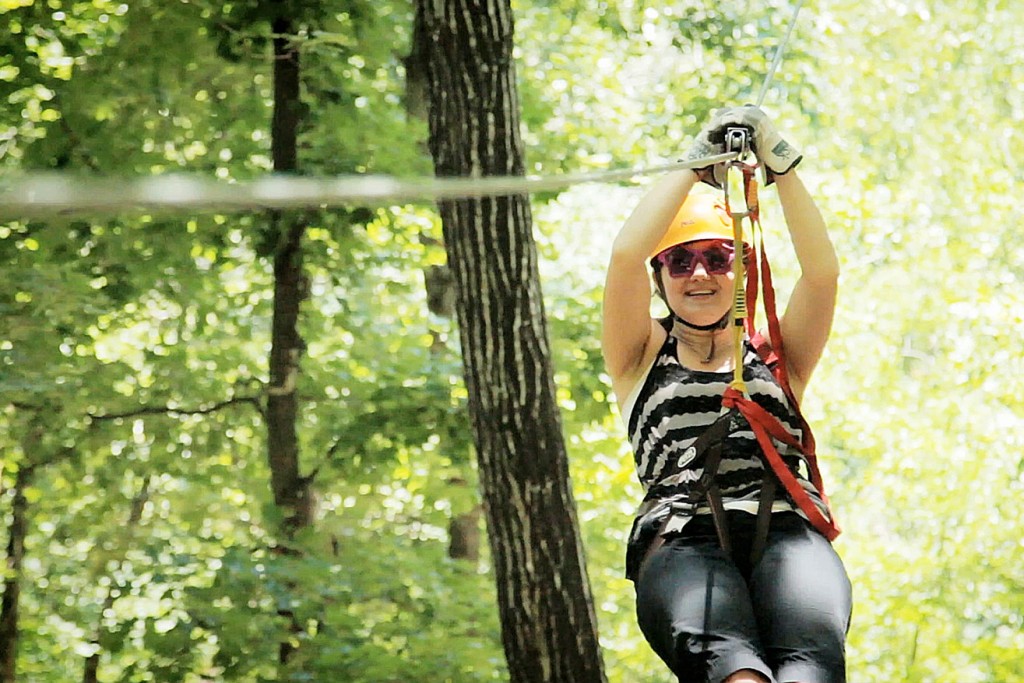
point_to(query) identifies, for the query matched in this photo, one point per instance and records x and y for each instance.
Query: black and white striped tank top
(670, 407)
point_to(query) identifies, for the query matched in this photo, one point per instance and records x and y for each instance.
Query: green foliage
(909, 136)
(631, 85)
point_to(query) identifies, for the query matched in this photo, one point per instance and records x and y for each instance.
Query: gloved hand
(776, 155)
(710, 142)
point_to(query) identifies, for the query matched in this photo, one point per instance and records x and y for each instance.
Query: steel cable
(53, 194)
(40, 195)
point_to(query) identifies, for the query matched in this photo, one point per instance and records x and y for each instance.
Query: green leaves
(911, 146)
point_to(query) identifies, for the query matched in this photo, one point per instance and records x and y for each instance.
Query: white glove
(776, 155)
(710, 142)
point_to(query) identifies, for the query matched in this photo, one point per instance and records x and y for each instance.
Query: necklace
(679, 332)
(705, 360)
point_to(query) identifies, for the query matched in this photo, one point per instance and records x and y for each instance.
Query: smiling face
(701, 298)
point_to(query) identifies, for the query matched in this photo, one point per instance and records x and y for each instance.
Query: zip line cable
(51, 194)
(739, 139)
(778, 55)
(55, 194)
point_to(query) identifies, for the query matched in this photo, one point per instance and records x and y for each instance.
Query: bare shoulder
(763, 344)
(625, 383)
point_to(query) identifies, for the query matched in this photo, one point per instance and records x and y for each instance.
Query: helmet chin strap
(679, 332)
(722, 323)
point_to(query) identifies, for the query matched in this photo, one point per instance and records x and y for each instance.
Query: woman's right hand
(710, 142)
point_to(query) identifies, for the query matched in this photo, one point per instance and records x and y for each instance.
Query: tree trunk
(286, 344)
(548, 623)
(292, 492)
(13, 576)
(463, 528)
(464, 536)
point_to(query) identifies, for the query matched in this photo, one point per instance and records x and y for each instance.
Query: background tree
(548, 623)
(140, 341)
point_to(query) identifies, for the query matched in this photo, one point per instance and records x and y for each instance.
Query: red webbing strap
(764, 424)
(765, 427)
(774, 328)
(775, 356)
(782, 374)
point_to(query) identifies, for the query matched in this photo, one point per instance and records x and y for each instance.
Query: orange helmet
(701, 217)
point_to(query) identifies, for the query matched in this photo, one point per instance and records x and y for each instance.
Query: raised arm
(627, 327)
(808, 315)
(807, 322)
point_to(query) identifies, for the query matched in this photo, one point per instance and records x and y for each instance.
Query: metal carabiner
(737, 139)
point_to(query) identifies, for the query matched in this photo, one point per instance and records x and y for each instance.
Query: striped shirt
(669, 408)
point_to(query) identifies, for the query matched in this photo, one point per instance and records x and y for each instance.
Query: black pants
(708, 615)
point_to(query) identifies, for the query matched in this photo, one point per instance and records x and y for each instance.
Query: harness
(736, 400)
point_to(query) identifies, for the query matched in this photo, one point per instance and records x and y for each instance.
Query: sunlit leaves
(908, 118)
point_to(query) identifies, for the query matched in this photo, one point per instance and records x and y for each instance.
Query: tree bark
(548, 623)
(464, 536)
(12, 583)
(292, 492)
(464, 528)
(290, 489)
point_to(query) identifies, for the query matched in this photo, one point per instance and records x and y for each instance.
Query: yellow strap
(739, 303)
(739, 300)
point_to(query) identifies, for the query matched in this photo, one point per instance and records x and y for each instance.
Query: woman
(717, 600)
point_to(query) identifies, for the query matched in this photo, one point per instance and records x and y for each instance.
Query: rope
(39, 195)
(738, 140)
(778, 55)
(47, 194)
